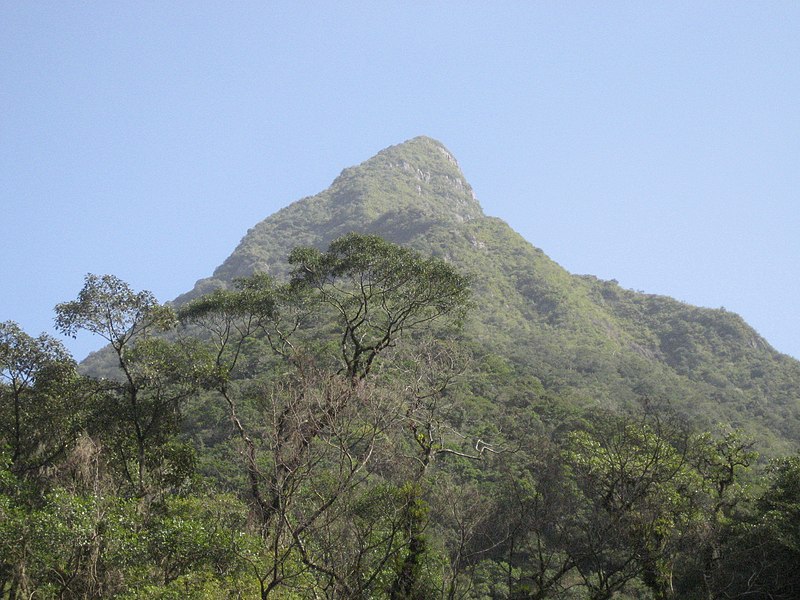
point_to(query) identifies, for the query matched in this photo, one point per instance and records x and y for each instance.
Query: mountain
(401, 194)
(279, 461)
(538, 331)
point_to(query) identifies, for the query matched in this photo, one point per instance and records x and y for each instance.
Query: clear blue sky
(656, 143)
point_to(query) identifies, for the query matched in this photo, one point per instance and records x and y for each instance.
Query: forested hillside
(585, 339)
(384, 393)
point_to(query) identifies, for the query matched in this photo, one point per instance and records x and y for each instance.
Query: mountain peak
(399, 193)
(421, 145)
(419, 174)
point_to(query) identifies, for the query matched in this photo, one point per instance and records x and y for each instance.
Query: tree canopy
(335, 434)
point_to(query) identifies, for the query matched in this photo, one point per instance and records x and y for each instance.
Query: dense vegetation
(453, 417)
(331, 437)
(591, 342)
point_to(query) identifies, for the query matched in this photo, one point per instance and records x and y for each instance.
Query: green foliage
(376, 291)
(640, 496)
(337, 424)
(358, 486)
(764, 547)
(41, 399)
(142, 408)
(588, 341)
(108, 307)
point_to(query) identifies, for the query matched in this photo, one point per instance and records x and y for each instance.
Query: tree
(422, 377)
(638, 502)
(759, 549)
(47, 539)
(779, 512)
(156, 376)
(377, 291)
(325, 413)
(40, 399)
(721, 459)
(538, 514)
(108, 307)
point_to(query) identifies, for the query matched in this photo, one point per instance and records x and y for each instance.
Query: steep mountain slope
(538, 329)
(401, 193)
